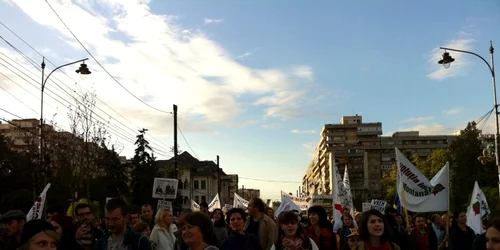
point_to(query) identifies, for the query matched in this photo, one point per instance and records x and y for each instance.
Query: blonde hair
(159, 218)
(50, 233)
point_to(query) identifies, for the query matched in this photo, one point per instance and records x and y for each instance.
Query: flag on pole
(36, 212)
(397, 204)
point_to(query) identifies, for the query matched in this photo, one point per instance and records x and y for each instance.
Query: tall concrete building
(366, 153)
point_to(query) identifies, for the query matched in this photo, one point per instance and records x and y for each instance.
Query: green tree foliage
(144, 171)
(466, 169)
(113, 182)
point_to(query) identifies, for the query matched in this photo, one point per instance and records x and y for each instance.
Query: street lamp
(83, 70)
(446, 60)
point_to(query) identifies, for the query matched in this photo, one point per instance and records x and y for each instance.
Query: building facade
(366, 153)
(23, 133)
(199, 180)
(248, 193)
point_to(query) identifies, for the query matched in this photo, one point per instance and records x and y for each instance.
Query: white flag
(36, 211)
(347, 201)
(238, 201)
(214, 204)
(302, 202)
(478, 210)
(286, 205)
(195, 206)
(420, 194)
(337, 185)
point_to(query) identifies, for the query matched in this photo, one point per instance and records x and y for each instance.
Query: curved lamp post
(446, 60)
(83, 70)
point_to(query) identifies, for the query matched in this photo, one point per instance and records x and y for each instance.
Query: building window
(196, 184)
(197, 199)
(203, 198)
(203, 184)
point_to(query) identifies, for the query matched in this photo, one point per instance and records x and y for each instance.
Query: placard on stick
(164, 188)
(378, 205)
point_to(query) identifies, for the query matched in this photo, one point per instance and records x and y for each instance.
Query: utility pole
(218, 177)
(175, 154)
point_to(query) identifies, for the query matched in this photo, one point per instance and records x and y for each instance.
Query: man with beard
(87, 234)
(14, 221)
(120, 237)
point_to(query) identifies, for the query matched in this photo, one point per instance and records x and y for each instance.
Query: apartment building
(23, 133)
(366, 153)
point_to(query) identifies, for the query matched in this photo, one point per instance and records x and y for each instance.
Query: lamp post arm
(62, 66)
(472, 53)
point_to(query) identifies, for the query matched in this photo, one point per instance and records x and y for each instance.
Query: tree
(465, 169)
(144, 171)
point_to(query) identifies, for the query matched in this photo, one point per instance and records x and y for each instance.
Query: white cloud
(453, 111)
(163, 62)
(246, 54)
(461, 59)
(418, 119)
(270, 125)
(209, 20)
(296, 131)
(303, 71)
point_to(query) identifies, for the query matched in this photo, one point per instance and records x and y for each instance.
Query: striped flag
(397, 204)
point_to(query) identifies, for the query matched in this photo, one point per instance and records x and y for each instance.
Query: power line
(13, 96)
(105, 70)
(35, 66)
(116, 131)
(187, 143)
(101, 119)
(275, 181)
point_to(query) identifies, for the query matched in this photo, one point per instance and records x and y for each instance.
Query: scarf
(384, 246)
(292, 244)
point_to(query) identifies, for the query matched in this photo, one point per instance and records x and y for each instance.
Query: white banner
(287, 204)
(347, 201)
(338, 189)
(238, 201)
(36, 211)
(195, 206)
(366, 206)
(478, 210)
(214, 204)
(302, 203)
(379, 205)
(416, 192)
(164, 188)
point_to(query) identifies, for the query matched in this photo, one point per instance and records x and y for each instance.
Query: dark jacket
(479, 242)
(133, 241)
(432, 238)
(179, 242)
(241, 242)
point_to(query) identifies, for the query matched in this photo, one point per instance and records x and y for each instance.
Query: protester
(260, 224)
(220, 226)
(87, 233)
(142, 228)
(374, 232)
(238, 239)
(461, 235)
(163, 233)
(197, 231)
(291, 234)
(66, 230)
(321, 230)
(14, 222)
(147, 215)
(351, 239)
(38, 233)
(120, 236)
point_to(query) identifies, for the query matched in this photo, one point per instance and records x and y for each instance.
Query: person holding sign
(374, 232)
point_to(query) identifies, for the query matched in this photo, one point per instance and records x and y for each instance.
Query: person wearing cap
(351, 239)
(14, 222)
(38, 235)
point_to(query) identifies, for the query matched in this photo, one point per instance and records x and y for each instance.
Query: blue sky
(256, 80)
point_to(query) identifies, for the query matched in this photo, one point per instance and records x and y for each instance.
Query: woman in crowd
(142, 228)
(351, 239)
(163, 232)
(238, 239)
(461, 235)
(197, 231)
(38, 235)
(493, 236)
(321, 230)
(290, 234)
(66, 230)
(220, 227)
(374, 232)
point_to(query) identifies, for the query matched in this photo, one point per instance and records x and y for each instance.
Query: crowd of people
(255, 228)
